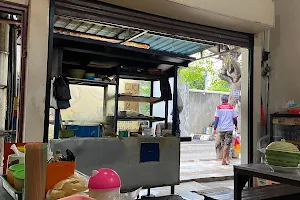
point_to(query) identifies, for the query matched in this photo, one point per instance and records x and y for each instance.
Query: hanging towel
(165, 89)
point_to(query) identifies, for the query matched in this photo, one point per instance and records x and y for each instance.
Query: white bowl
(290, 170)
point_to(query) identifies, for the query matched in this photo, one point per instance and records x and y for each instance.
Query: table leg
(172, 189)
(239, 184)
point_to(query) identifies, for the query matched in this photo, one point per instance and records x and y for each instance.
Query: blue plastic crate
(86, 131)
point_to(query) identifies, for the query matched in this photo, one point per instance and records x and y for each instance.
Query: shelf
(78, 81)
(152, 100)
(293, 141)
(141, 118)
(139, 76)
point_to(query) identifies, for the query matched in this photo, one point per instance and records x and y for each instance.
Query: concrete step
(191, 196)
(203, 137)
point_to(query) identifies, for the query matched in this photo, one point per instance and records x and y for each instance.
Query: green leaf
(195, 75)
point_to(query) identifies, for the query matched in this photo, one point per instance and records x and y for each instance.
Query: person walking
(226, 122)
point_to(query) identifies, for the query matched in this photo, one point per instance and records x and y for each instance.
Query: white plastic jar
(104, 184)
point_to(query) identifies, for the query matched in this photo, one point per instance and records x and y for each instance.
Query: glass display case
(285, 126)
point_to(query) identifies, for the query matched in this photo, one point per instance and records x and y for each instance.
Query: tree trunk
(4, 49)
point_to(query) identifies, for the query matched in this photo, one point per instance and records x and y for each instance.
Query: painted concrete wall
(37, 54)
(202, 108)
(285, 51)
(239, 15)
(124, 157)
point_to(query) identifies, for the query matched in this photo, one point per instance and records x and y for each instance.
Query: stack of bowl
(16, 175)
(282, 156)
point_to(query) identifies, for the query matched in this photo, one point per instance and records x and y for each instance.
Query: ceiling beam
(134, 37)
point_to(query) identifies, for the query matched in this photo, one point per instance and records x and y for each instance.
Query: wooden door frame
(21, 10)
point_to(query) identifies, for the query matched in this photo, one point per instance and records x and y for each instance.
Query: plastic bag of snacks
(73, 185)
(130, 195)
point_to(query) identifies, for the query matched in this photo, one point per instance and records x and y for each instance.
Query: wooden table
(243, 173)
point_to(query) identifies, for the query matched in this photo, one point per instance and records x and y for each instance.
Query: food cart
(146, 161)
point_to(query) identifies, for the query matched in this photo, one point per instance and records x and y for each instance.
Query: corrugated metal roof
(173, 45)
(156, 42)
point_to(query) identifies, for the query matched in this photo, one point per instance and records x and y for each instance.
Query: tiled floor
(185, 189)
(198, 161)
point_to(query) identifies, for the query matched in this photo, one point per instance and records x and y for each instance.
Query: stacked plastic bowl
(282, 156)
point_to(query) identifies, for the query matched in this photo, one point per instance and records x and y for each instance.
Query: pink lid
(77, 197)
(103, 179)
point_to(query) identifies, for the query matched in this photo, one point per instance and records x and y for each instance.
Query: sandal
(225, 163)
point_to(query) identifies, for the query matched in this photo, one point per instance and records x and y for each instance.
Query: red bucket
(295, 111)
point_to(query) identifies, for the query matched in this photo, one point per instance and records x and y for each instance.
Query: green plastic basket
(66, 133)
(282, 158)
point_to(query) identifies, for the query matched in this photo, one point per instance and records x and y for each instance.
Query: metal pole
(166, 114)
(117, 102)
(151, 105)
(10, 79)
(175, 109)
(57, 124)
(4, 54)
(49, 72)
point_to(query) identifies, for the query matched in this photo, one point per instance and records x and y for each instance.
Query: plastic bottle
(104, 184)
(230, 153)
(57, 155)
(140, 129)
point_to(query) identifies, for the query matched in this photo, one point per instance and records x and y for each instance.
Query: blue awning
(122, 35)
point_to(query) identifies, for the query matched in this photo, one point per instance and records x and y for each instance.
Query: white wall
(285, 54)
(37, 55)
(251, 16)
(243, 9)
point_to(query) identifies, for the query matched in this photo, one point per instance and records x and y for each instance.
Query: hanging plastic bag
(53, 102)
(237, 145)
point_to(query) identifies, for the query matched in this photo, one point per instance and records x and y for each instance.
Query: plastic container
(77, 73)
(86, 131)
(58, 171)
(147, 132)
(11, 170)
(124, 134)
(90, 76)
(67, 133)
(282, 154)
(104, 184)
(295, 111)
(21, 149)
(15, 159)
(77, 197)
(19, 177)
